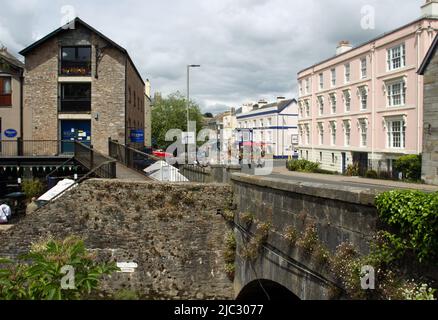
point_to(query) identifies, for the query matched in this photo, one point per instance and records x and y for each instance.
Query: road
(280, 172)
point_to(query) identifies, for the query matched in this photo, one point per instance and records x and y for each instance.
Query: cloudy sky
(248, 49)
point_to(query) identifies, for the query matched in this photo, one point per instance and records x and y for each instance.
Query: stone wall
(41, 91)
(172, 231)
(430, 136)
(340, 214)
(108, 97)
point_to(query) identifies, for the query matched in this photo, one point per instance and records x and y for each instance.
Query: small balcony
(75, 106)
(75, 98)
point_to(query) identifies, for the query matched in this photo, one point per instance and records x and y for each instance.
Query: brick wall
(136, 103)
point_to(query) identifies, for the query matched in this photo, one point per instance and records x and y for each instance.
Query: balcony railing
(33, 148)
(75, 68)
(75, 106)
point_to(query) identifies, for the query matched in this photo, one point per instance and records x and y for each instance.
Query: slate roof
(10, 59)
(65, 28)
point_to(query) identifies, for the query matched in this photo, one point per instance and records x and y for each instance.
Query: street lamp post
(188, 106)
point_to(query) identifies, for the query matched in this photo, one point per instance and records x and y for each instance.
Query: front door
(361, 158)
(74, 130)
(344, 162)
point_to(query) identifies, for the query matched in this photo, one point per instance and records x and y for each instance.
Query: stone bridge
(275, 268)
(176, 233)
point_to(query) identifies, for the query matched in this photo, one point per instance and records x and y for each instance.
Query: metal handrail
(76, 183)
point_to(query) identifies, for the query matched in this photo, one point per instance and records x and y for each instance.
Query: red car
(161, 154)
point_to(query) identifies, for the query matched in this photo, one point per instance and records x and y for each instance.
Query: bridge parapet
(338, 214)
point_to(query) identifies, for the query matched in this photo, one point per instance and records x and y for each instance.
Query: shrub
(352, 170)
(371, 174)
(414, 217)
(247, 218)
(302, 165)
(38, 275)
(32, 188)
(409, 166)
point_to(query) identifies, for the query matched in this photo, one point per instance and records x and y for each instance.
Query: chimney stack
(147, 88)
(279, 99)
(430, 9)
(343, 46)
(262, 102)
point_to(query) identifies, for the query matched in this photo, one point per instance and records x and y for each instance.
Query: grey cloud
(248, 49)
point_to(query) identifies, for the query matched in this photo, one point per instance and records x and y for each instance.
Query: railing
(75, 106)
(103, 166)
(139, 161)
(96, 171)
(75, 68)
(32, 148)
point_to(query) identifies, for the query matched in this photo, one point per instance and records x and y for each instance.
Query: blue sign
(137, 136)
(11, 133)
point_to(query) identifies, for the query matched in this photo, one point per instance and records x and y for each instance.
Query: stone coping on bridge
(356, 195)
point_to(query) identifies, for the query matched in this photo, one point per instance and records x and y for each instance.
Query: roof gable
(65, 28)
(429, 56)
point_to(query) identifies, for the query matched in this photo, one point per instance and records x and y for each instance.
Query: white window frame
(300, 87)
(333, 133)
(333, 77)
(363, 68)
(321, 133)
(396, 57)
(363, 97)
(347, 72)
(392, 134)
(396, 97)
(363, 132)
(347, 100)
(307, 85)
(320, 105)
(307, 132)
(307, 107)
(333, 103)
(321, 81)
(347, 133)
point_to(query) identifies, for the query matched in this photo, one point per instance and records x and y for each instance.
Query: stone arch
(266, 290)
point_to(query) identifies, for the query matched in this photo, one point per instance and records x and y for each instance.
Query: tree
(208, 115)
(171, 113)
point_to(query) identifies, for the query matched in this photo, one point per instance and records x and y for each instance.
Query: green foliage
(371, 174)
(291, 235)
(230, 254)
(302, 166)
(247, 218)
(352, 170)
(309, 239)
(409, 166)
(38, 276)
(32, 188)
(414, 217)
(171, 113)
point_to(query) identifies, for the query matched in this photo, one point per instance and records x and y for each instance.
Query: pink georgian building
(365, 104)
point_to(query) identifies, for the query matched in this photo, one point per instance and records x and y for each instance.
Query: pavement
(125, 173)
(281, 172)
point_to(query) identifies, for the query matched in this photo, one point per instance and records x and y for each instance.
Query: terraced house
(11, 100)
(80, 85)
(365, 105)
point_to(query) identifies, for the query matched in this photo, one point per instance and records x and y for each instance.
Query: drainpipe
(21, 103)
(419, 126)
(373, 104)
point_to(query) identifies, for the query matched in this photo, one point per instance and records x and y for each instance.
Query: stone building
(80, 85)
(11, 102)
(429, 69)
